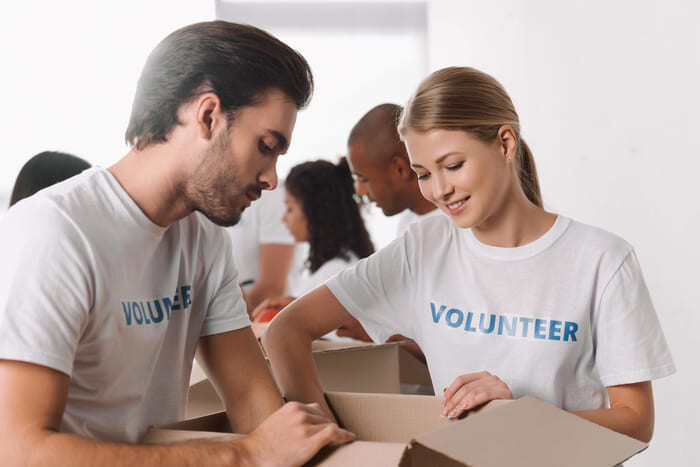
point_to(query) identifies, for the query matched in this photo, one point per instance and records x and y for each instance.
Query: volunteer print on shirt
(559, 319)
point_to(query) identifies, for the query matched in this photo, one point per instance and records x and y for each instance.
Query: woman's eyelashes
(456, 166)
(452, 167)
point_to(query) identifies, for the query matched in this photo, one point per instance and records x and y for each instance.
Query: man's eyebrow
(282, 143)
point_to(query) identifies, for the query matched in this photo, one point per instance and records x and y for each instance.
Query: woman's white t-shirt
(560, 318)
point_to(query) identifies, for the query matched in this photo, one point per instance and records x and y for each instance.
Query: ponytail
(527, 174)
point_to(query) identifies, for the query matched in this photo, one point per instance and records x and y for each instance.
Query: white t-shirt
(408, 217)
(308, 280)
(560, 318)
(261, 223)
(91, 287)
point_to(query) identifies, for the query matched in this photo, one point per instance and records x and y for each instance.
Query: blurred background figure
(43, 170)
(263, 249)
(381, 169)
(321, 211)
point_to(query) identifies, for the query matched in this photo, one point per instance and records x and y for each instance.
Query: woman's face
(465, 177)
(294, 218)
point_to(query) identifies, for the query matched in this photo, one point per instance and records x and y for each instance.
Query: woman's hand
(277, 303)
(472, 390)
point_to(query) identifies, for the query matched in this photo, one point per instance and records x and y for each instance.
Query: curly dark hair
(326, 193)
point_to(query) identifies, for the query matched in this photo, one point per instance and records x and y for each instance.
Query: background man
(112, 279)
(380, 165)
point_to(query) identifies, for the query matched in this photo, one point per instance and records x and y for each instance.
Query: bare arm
(288, 343)
(631, 411)
(236, 367)
(32, 400)
(275, 261)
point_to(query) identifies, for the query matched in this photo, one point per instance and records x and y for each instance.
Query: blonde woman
(505, 298)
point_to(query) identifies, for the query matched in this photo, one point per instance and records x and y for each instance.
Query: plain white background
(607, 94)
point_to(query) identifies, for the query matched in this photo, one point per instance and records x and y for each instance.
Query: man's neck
(148, 177)
(419, 204)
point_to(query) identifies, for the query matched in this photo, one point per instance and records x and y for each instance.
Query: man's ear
(208, 115)
(402, 167)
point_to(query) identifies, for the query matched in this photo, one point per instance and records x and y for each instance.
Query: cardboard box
(342, 366)
(408, 431)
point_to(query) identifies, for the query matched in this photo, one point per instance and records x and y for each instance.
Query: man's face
(374, 180)
(240, 161)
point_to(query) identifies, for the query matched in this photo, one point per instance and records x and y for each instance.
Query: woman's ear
(507, 143)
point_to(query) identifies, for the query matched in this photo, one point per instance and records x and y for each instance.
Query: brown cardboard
(408, 431)
(341, 366)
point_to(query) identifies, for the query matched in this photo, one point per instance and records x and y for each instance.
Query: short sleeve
(378, 291)
(630, 344)
(46, 286)
(227, 310)
(271, 228)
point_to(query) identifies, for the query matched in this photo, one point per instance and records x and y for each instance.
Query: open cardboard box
(341, 366)
(408, 431)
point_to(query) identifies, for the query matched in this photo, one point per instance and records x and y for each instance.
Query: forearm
(624, 420)
(262, 290)
(62, 449)
(292, 364)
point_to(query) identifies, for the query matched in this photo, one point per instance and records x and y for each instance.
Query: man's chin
(222, 221)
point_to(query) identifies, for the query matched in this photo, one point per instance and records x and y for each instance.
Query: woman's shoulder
(596, 238)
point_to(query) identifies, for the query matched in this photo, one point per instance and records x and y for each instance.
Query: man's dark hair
(326, 194)
(237, 62)
(44, 170)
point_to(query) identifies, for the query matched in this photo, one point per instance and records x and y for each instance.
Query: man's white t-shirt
(560, 318)
(408, 217)
(261, 223)
(89, 286)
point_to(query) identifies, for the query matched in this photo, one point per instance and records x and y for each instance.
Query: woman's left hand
(472, 390)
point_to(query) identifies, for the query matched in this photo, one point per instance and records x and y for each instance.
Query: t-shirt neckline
(130, 205)
(521, 252)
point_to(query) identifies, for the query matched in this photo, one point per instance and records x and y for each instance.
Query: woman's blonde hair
(462, 98)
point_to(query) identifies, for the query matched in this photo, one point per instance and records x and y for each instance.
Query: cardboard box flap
(530, 432)
(373, 369)
(393, 418)
(360, 453)
(412, 370)
(321, 345)
(217, 422)
(162, 436)
(202, 399)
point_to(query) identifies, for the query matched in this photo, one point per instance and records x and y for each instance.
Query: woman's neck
(517, 222)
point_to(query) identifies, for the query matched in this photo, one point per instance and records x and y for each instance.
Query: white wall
(608, 97)
(69, 71)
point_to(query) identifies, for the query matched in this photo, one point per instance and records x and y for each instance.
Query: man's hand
(293, 435)
(472, 390)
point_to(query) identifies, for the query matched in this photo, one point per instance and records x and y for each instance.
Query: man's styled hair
(237, 62)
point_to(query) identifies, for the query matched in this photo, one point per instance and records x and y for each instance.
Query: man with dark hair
(112, 279)
(380, 166)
